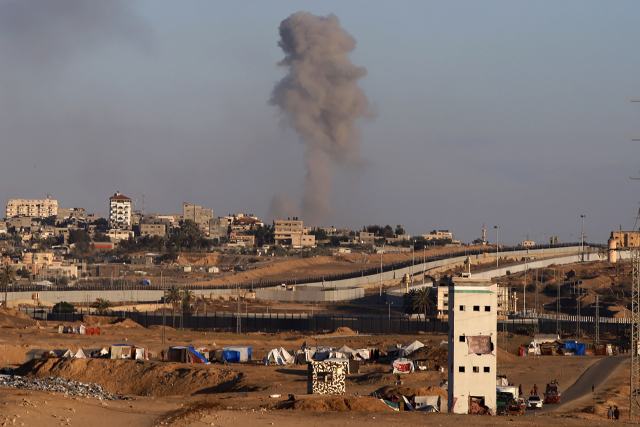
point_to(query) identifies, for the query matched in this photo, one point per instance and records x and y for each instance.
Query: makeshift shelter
(409, 348)
(427, 403)
(34, 354)
(85, 353)
(574, 347)
(59, 353)
(402, 366)
(185, 355)
(274, 358)
(327, 377)
(126, 351)
(236, 354)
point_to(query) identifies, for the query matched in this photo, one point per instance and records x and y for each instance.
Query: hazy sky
(504, 113)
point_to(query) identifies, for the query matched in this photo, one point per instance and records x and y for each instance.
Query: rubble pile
(60, 385)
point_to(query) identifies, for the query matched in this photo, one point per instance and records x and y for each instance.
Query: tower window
(487, 308)
(461, 369)
(462, 308)
(476, 369)
(461, 339)
(487, 369)
(476, 308)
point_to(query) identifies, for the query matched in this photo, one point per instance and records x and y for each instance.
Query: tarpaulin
(480, 344)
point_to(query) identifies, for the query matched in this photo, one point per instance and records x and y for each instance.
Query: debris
(61, 385)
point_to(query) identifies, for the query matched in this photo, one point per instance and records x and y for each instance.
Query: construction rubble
(60, 385)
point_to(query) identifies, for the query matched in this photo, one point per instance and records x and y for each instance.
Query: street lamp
(497, 227)
(583, 217)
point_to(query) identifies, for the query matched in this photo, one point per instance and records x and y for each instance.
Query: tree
(174, 296)
(63, 307)
(422, 300)
(187, 298)
(7, 276)
(101, 305)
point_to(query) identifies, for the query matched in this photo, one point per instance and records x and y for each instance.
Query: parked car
(534, 402)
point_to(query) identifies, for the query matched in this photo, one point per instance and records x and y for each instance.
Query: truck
(552, 393)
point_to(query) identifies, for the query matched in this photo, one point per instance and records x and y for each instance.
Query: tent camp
(236, 354)
(427, 403)
(185, 355)
(85, 353)
(402, 366)
(409, 348)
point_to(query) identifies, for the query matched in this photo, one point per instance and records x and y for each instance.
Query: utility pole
(634, 372)
(164, 309)
(582, 236)
(381, 270)
(424, 271)
(578, 309)
(238, 319)
(558, 307)
(597, 334)
(524, 290)
(497, 227)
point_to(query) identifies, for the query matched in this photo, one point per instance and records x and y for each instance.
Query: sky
(505, 113)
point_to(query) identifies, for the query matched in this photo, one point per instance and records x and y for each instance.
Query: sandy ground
(194, 395)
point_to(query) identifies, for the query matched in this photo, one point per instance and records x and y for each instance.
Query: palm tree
(174, 296)
(422, 300)
(187, 297)
(101, 305)
(7, 275)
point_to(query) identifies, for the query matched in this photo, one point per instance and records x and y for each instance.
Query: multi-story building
(290, 232)
(69, 213)
(219, 228)
(32, 208)
(626, 239)
(198, 215)
(119, 211)
(472, 346)
(438, 235)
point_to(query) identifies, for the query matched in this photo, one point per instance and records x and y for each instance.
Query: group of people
(613, 413)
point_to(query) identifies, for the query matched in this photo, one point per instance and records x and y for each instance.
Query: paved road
(596, 375)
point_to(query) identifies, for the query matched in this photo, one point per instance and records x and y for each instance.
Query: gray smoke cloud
(40, 32)
(321, 100)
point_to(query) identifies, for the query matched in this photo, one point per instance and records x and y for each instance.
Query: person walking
(520, 390)
(593, 388)
(535, 390)
(610, 413)
(616, 413)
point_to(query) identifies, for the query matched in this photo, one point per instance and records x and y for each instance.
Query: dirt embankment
(333, 404)
(140, 378)
(10, 318)
(110, 321)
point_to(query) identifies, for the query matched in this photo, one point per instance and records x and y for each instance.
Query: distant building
(438, 235)
(528, 243)
(365, 238)
(290, 232)
(473, 333)
(219, 228)
(32, 208)
(626, 239)
(198, 215)
(69, 213)
(119, 211)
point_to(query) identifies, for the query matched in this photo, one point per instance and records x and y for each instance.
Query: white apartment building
(32, 208)
(119, 211)
(472, 346)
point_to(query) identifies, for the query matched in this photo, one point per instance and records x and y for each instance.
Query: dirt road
(597, 375)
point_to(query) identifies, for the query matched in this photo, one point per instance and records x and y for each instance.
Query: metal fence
(360, 323)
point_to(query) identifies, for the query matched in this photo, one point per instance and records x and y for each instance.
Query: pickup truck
(552, 393)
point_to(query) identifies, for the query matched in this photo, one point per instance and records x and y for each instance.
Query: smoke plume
(321, 100)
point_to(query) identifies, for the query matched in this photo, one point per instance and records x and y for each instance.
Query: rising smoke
(321, 100)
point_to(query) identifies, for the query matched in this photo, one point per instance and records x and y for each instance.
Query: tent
(235, 354)
(409, 348)
(34, 354)
(402, 366)
(274, 358)
(185, 355)
(126, 351)
(427, 403)
(574, 347)
(85, 353)
(59, 353)
(286, 356)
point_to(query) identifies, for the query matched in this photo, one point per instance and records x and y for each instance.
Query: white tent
(409, 348)
(273, 358)
(286, 356)
(427, 403)
(402, 366)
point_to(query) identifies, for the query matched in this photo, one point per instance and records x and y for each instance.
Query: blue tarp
(231, 356)
(579, 348)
